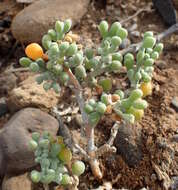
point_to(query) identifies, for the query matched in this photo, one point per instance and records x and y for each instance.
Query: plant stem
(108, 147)
(65, 133)
(94, 163)
(79, 96)
(114, 130)
(98, 72)
(89, 130)
(46, 186)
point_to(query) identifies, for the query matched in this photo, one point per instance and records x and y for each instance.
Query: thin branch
(136, 14)
(13, 70)
(97, 72)
(135, 47)
(168, 32)
(114, 131)
(108, 148)
(105, 149)
(132, 48)
(82, 151)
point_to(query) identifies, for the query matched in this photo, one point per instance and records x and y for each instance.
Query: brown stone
(17, 182)
(128, 144)
(34, 21)
(30, 94)
(15, 154)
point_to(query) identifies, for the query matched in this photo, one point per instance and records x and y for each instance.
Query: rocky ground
(147, 154)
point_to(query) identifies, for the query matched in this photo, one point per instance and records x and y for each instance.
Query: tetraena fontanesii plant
(53, 157)
(65, 62)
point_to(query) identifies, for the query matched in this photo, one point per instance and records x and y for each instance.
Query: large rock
(30, 94)
(35, 20)
(15, 154)
(128, 144)
(17, 182)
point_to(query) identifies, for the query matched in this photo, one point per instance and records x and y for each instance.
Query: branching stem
(88, 129)
(79, 96)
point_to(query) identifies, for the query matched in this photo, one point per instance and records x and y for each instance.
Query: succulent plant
(52, 155)
(63, 60)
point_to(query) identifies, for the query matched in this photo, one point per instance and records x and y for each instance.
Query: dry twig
(106, 148)
(136, 14)
(135, 47)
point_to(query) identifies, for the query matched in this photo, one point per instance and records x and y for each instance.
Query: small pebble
(174, 103)
(133, 27)
(157, 88)
(161, 64)
(153, 177)
(125, 43)
(175, 138)
(1, 23)
(3, 107)
(94, 26)
(174, 185)
(135, 33)
(1, 29)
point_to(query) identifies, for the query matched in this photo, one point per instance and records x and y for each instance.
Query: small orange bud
(34, 51)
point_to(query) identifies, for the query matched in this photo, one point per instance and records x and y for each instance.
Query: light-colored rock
(35, 20)
(15, 154)
(20, 182)
(30, 94)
